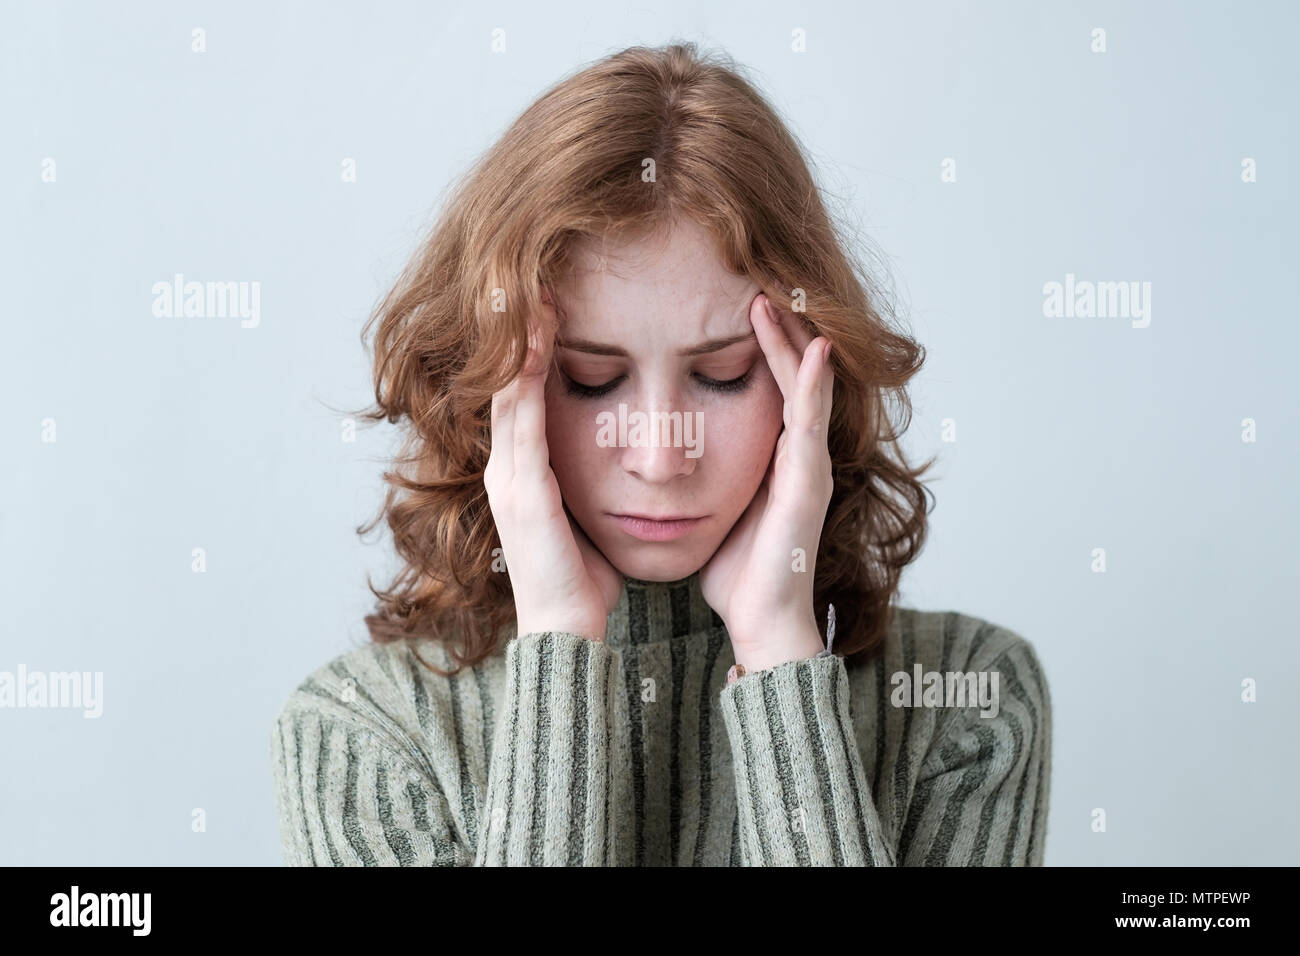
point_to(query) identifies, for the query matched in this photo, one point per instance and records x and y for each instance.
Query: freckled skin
(653, 298)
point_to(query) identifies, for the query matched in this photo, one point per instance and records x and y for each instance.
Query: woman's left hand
(760, 581)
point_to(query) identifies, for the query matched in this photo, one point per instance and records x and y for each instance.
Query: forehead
(676, 272)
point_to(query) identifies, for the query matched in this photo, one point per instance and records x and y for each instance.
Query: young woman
(677, 645)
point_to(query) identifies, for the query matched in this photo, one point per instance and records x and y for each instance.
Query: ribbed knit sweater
(561, 750)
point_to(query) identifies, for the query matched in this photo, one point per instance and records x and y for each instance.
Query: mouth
(657, 528)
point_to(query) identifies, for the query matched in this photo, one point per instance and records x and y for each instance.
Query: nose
(661, 463)
(664, 438)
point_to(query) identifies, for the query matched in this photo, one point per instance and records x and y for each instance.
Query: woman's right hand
(561, 581)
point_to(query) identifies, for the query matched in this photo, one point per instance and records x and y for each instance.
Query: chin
(655, 562)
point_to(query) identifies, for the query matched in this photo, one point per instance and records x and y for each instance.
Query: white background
(1072, 434)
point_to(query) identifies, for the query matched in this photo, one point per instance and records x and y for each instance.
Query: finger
(801, 338)
(792, 325)
(781, 356)
(828, 388)
(505, 408)
(502, 452)
(811, 410)
(530, 459)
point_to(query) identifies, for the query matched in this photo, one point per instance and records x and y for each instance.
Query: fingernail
(826, 351)
(771, 311)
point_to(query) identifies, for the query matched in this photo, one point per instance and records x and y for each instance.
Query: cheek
(571, 441)
(741, 435)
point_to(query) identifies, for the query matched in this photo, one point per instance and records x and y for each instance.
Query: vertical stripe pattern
(554, 741)
(562, 751)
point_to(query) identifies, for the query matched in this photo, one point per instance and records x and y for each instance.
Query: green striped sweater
(559, 750)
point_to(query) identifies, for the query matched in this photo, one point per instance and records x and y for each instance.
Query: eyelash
(729, 387)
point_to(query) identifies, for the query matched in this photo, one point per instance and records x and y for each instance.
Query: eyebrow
(600, 348)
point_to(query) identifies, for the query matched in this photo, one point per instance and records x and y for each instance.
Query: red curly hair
(572, 167)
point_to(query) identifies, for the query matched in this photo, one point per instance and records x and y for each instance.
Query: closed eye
(590, 391)
(729, 386)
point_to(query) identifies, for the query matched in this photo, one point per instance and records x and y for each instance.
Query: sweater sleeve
(801, 792)
(350, 794)
(803, 799)
(549, 781)
(982, 793)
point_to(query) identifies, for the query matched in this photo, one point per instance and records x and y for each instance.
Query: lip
(657, 529)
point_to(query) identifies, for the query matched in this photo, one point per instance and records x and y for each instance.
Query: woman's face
(627, 322)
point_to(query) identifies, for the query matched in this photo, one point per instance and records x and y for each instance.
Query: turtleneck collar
(650, 612)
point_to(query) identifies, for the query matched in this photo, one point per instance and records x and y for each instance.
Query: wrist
(793, 641)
